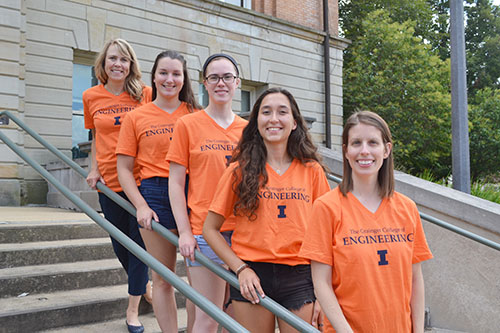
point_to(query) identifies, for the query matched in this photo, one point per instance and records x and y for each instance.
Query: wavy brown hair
(186, 94)
(133, 84)
(251, 154)
(386, 173)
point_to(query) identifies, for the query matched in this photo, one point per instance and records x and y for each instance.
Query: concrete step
(58, 277)
(440, 330)
(44, 231)
(66, 308)
(42, 253)
(65, 276)
(118, 325)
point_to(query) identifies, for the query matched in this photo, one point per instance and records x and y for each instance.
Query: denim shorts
(155, 191)
(290, 286)
(207, 250)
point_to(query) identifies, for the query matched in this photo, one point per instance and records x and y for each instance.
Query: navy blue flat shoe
(134, 329)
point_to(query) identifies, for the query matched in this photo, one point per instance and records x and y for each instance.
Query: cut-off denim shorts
(290, 286)
(207, 250)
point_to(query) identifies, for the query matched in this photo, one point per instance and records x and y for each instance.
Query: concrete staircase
(58, 272)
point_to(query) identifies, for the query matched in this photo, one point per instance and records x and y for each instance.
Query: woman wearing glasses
(202, 145)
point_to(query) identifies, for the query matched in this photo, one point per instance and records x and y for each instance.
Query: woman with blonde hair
(105, 106)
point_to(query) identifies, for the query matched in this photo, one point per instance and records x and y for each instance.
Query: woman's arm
(125, 168)
(322, 279)
(94, 175)
(249, 281)
(417, 301)
(176, 184)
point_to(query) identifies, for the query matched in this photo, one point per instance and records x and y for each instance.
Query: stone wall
(43, 35)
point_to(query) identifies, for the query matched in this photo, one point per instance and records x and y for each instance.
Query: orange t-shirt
(285, 204)
(204, 148)
(146, 134)
(371, 255)
(105, 112)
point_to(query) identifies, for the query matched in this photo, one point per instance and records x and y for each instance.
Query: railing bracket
(4, 119)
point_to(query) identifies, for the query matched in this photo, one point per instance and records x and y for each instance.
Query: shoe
(148, 296)
(134, 329)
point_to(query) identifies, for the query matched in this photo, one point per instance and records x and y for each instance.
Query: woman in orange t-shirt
(145, 139)
(105, 106)
(366, 241)
(270, 188)
(202, 144)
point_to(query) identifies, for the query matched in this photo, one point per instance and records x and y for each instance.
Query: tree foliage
(396, 75)
(484, 116)
(398, 66)
(482, 44)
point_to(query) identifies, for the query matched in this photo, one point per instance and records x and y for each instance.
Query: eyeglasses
(226, 78)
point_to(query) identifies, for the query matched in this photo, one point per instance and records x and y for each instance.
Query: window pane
(202, 95)
(245, 101)
(241, 3)
(82, 80)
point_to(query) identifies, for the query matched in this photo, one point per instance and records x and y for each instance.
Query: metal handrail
(446, 225)
(266, 302)
(201, 301)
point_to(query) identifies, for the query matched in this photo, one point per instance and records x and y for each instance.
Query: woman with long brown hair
(270, 187)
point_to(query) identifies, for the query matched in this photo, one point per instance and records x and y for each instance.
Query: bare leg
(212, 287)
(305, 313)
(229, 309)
(254, 317)
(190, 307)
(164, 304)
(133, 310)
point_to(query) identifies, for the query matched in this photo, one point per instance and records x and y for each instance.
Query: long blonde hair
(133, 84)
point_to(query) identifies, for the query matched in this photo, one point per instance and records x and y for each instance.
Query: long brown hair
(186, 94)
(133, 84)
(386, 173)
(251, 154)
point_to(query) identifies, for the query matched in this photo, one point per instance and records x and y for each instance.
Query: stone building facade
(48, 45)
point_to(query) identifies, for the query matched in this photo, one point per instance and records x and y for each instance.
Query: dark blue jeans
(136, 270)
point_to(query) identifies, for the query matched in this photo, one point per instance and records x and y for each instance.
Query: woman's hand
(250, 285)
(317, 317)
(187, 245)
(145, 215)
(93, 177)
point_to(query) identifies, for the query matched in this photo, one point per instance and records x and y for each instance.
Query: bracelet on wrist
(240, 269)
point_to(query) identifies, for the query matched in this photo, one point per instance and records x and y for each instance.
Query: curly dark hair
(251, 154)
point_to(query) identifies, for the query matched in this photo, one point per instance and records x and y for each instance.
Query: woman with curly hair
(270, 187)
(105, 106)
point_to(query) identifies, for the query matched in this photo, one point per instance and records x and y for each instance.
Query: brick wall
(308, 13)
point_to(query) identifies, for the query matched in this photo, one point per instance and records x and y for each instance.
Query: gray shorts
(207, 250)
